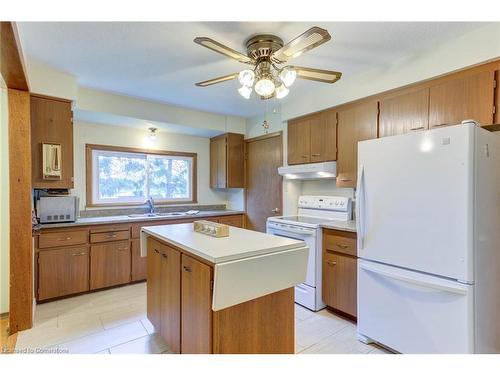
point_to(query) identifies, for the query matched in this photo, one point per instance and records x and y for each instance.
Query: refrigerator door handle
(423, 281)
(360, 207)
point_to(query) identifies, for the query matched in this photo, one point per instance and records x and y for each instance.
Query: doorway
(263, 196)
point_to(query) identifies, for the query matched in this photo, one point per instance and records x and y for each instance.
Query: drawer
(110, 236)
(235, 221)
(109, 228)
(340, 242)
(67, 238)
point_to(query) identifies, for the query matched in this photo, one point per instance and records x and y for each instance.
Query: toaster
(57, 209)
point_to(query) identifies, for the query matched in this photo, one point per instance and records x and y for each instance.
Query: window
(127, 176)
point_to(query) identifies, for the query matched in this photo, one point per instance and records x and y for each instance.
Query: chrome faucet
(151, 205)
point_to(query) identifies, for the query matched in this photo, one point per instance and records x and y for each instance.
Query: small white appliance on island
(306, 226)
(428, 208)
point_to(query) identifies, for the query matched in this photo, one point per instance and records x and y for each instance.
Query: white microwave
(57, 209)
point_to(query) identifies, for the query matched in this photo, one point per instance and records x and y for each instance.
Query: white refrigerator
(428, 222)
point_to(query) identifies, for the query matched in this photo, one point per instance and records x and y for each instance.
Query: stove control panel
(330, 203)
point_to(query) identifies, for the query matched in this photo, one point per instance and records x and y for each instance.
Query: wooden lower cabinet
(138, 264)
(339, 284)
(63, 271)
(109, 264)
(235, 221)
(179, 305)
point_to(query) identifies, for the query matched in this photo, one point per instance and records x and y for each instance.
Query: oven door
(308, 235)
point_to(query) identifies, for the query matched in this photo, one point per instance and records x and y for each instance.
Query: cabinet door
(404, 113)
(340, 282)
(154, 283)
(470, 97)
(139, 264)
(213, 164)
(51, 122)
(218, 154)
(62, 272)
(299, 141)
(196, 302)
(235, 161)
(235, 221)
(355, 123)
(170, 299)
(109, 264)
(324, 137)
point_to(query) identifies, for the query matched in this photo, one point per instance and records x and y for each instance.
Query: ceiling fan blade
(310, 39)
(222, 49)
(327, 76)
(213, 81)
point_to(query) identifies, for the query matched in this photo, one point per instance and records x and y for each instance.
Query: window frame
(90, 178)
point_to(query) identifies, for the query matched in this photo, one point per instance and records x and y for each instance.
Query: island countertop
(240, 244)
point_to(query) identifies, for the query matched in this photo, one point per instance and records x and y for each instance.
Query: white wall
(132, 137)
(4, 200)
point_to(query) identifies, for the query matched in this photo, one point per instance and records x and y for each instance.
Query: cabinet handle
(437, 125)
(164, 256)
(419, 128)
(342, 246)
(78, 254)
(315, 154)
(122, 248)
(187, 269)
(156, 251)
(111, 235)
(345, 179)
(330, 263)
(305, 156)
(64, 239)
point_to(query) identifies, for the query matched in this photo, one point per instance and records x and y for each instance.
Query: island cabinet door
(196, 301)
(154, 283)
(170, 299)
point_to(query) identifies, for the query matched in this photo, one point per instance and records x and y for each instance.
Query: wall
(131, 137)
(4, 200)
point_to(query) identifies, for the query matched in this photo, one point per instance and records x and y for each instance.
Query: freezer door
(414, 201)
(411, 312)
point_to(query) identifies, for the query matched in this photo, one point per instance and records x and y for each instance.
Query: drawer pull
(342, 246)
(345, 179)
(156, 251)
(437, 125)
(64, 239)
(315, 154)
(111, 235)
(123, 248)
(305, 156)
(419, 128)
(331, 263)
(187, 269)
(164, 256)
(78, 254)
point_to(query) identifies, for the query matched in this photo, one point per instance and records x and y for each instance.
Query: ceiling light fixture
(152, 134)
(270, 76)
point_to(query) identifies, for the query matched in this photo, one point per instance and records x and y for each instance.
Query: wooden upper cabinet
(62, 272)
(404, 113)
(355, 123)
(299, 141)
(196, 302)
(469, 97)
(51, 122)
(324, 136)
(227, 161)
(497, 97)
(313, 138)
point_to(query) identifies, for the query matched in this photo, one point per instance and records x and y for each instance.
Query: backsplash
(142, 210)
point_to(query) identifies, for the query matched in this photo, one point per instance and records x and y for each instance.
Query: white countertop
(349, 226)
(240, 244)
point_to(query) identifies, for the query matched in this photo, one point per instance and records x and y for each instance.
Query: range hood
(313, 171)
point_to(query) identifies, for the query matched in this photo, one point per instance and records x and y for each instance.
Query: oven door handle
(295, 231)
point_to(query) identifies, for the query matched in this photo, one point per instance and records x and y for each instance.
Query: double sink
(160, 214)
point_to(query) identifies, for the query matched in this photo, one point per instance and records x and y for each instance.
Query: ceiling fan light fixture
(245, 91)
(281, 91)
(287, 76)
(246, 77)
(264, 87)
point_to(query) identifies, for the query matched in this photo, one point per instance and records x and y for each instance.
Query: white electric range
(313, 211)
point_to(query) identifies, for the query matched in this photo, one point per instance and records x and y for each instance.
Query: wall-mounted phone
(51, 161)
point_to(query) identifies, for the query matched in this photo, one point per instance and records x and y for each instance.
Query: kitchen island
(222, 295)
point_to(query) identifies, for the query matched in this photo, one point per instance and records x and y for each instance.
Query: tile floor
(114, 322)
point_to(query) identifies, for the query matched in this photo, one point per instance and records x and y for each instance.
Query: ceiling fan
(268, 55)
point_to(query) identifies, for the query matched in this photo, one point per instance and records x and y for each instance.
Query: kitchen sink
(159, 214)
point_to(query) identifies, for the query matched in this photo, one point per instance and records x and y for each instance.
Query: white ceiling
(159, 61)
